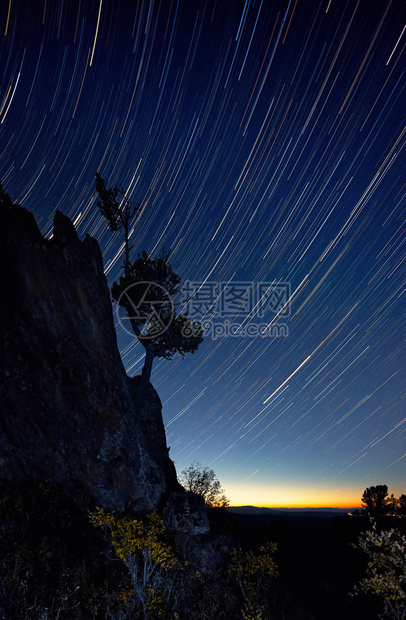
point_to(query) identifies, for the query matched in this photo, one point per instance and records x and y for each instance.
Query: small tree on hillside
(202, 481)
(375, 499)
(115, 206)
(402, 504)
(392, 505)
(145, 293)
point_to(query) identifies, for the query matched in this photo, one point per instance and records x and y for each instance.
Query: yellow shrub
(137, 542)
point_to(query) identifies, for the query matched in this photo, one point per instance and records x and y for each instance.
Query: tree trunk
(147, 368)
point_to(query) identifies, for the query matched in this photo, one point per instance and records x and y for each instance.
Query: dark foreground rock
(185, 517)
(67, 407)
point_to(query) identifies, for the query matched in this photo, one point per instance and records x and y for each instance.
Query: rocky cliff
(67, 407)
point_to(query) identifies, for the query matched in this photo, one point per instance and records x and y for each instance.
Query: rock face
(185, 517)
(67, 407)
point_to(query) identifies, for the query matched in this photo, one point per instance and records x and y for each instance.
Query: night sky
(264, 141)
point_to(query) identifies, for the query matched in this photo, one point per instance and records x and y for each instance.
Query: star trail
(264, 142)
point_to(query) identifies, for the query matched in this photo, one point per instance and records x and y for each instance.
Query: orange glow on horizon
(293, 496)
(346, 505)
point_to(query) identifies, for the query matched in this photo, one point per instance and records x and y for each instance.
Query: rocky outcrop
(67, 407)
(185, 517)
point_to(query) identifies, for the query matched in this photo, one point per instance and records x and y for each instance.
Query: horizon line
(273, 506)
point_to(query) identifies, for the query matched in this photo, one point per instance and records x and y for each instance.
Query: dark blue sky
(265, 144)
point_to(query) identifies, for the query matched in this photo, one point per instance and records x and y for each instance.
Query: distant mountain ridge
(256, 510)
